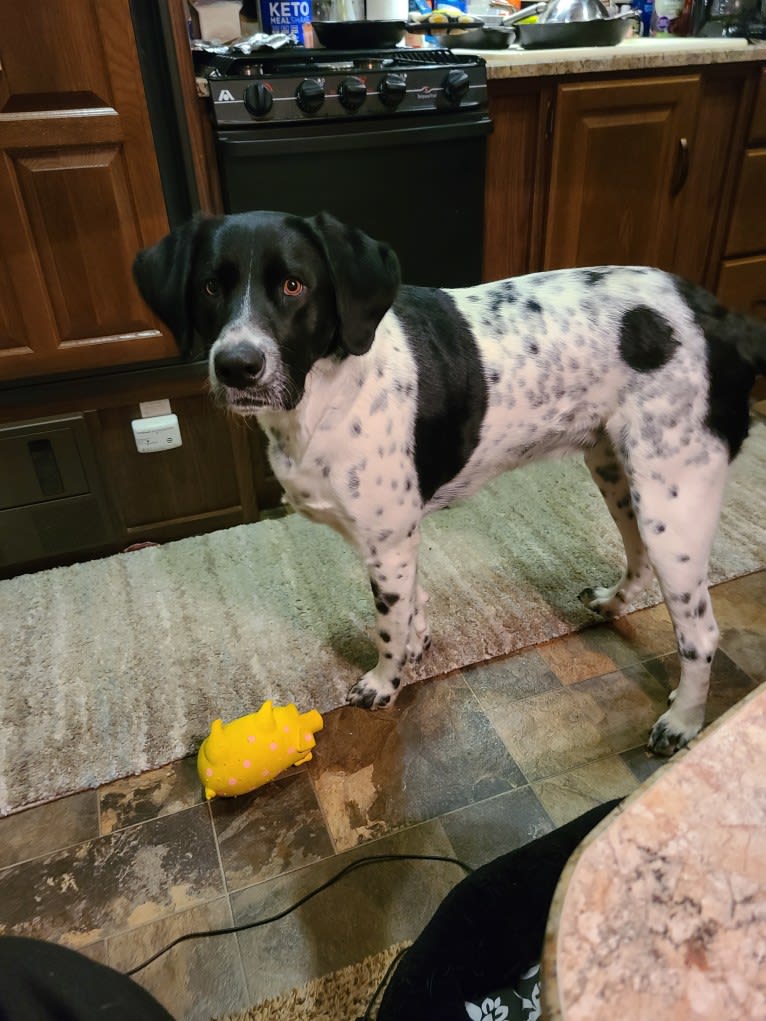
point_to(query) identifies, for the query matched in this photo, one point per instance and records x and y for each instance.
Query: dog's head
(267, 295)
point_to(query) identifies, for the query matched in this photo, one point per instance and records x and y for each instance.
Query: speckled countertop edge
(631, 55)
(552, 1009)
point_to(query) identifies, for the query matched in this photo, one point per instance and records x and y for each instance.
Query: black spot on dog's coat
(452, 393)
(647, 340)
(736, 349)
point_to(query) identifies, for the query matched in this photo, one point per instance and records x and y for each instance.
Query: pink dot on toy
(265, 773)
(232, 781)
(251, 738)
(273, 746)
(247, 763)
(291, 751)
(208, 771)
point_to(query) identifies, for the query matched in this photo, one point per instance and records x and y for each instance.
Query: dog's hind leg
(678, 515)
(393, 579)
(609, 476)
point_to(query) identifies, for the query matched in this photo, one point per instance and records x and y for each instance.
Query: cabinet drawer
(758, 125)
(742, 285)
(747, 232)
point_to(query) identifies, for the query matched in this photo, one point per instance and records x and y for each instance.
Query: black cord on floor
(359, 863)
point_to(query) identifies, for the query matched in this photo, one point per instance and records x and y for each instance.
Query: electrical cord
(352, 867)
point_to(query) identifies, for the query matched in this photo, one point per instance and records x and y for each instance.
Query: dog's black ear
(162, 275)
(366, 277)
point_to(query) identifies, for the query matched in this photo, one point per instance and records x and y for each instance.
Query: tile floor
(473, 765)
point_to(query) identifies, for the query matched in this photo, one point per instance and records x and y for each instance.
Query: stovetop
(300, 84)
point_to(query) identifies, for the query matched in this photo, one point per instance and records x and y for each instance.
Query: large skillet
(558, 34)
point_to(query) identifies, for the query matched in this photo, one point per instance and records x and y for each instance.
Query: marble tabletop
(629, 55)
(661, 912)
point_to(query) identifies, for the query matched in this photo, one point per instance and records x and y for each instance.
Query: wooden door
(620, 158)
(80, 190)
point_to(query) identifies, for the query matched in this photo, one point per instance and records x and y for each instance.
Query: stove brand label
(224, 96)
(288, 16)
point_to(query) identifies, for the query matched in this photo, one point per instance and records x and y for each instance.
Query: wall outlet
(159, 433)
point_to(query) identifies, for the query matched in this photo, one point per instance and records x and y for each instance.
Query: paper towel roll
(387, 10)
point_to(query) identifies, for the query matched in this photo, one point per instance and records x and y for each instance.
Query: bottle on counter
(665, 16)
(646, 10)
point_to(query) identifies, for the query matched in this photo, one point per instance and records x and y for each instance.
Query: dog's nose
(239, 366)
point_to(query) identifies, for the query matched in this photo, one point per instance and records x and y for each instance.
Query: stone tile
(275, 829)
(518, 676)
(728, 684)
(38, 831)
(549, 733)
(432, 752)
(370, 909)
(741, 604)
(740, 608)
(103, 886)
(568, 795)
(642, 763)
(631, 701)
(607, 647)
(197, 979)
(479, 833)
(150, 795)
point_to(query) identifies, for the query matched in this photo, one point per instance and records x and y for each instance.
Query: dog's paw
(605, 601)
(368, 693)
(669, 736)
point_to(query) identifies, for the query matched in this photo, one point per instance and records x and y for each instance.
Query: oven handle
(246, 142)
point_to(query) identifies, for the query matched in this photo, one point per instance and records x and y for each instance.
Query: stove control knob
(310, 95)
(258, 99)
(351, 93)
(455, 87)
(392, 90)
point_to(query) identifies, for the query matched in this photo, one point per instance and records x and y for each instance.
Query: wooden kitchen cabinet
(620, 160)
(631, 169)
(80, 190)
(742, 280)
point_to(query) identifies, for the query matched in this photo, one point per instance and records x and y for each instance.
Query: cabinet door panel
(748, 225)
(619, 151)
(80, 191)
(85, 279)
(742, 285)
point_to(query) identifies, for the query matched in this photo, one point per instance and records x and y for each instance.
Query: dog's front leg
(393, 578)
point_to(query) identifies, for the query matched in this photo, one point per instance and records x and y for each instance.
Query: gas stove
(301, 84)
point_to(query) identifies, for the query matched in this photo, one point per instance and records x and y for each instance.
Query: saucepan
(478, 36)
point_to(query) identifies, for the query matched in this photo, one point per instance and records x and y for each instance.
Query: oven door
(419, 187)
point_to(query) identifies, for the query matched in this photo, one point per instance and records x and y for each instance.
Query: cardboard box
(215, 20)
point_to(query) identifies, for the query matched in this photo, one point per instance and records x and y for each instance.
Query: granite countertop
(630, 55)
(661, 913)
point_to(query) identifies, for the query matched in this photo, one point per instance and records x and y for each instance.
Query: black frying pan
(559, 34)
(359, 35)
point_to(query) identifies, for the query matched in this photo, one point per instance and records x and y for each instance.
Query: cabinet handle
(681, 171)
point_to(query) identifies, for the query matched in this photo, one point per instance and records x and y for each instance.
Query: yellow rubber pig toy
(240, 756)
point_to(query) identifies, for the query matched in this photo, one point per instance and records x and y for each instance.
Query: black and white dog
(384, 402)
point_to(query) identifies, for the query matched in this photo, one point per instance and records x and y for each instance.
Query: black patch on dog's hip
(647, 340)
(452, 392)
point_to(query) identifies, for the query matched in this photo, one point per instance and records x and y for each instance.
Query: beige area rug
(115, 666)
(342, 996)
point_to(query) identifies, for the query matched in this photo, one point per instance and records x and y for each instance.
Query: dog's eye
(212, 287)
(292, 287)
